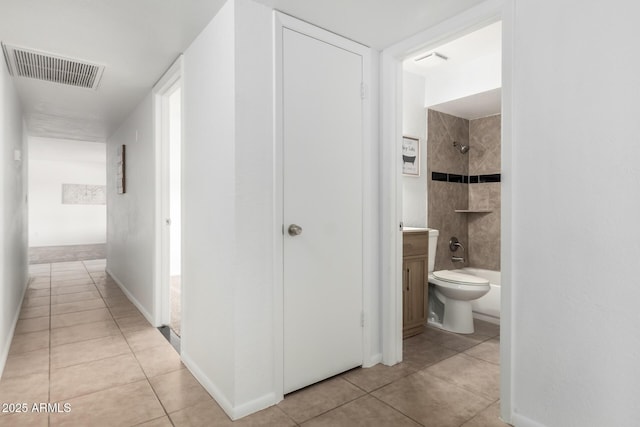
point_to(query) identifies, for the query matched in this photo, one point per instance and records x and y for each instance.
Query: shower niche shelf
(473, 210)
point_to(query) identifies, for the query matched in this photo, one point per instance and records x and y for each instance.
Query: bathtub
(488, 307)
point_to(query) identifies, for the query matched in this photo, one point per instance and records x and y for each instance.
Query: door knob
(294, 230)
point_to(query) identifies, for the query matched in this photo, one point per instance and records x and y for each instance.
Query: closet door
(322, 160)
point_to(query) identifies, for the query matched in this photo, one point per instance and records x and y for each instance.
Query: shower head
(464, 149)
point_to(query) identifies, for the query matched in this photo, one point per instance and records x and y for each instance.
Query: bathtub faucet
(454, 244)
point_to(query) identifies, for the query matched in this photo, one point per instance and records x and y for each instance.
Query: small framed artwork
(410, 156)
(121, 163)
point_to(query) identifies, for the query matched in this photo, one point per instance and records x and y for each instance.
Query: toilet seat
(459, 278)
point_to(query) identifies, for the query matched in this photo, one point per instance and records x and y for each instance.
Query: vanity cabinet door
(414, 307)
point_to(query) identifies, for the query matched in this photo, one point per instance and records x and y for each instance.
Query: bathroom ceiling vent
(431, 59)
(51, 68)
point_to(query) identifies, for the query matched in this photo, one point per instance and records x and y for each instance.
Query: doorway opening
(452, 108)
(169, 280)
(175, 211)
(67, 200)
(391, 135)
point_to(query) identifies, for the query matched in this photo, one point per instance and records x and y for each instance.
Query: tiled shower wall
(478, 232)
(445, 197)
(484, 228)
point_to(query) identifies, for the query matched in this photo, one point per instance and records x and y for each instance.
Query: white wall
(53, 162)
(254, 205)
(414, 124)
(228, 270)
(13, 213)
(130, 216)
(208, 345)
(575, 235)
(228, 209)
(228, 258)
(454, 81)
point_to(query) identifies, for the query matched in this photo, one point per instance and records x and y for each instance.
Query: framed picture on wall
(410, 156)
(121, 157)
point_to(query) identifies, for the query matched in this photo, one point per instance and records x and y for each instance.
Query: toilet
(451, 293)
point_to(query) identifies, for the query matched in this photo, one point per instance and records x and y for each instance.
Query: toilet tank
(433, 244)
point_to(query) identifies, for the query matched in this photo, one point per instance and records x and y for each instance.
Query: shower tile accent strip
(465, 179)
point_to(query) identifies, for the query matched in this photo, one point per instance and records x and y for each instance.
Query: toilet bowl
(450, 296)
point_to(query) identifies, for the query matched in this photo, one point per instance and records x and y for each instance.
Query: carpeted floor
(49, 254)
(176, 309)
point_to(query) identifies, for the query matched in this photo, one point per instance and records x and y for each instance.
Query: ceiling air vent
(51, 68)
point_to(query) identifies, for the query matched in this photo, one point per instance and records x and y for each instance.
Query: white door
(322, 133)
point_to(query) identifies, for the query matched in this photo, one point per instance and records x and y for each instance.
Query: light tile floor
(81, 342)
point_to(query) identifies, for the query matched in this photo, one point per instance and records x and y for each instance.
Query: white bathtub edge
(486, 318)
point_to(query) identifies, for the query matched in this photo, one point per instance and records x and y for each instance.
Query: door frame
(391, 185)
(168, 83)
(370, 274)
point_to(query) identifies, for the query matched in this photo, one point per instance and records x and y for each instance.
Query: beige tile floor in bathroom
(80, 341)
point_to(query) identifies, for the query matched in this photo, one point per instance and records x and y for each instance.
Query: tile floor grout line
(78, 311)
(102, 390)
(153, 419)
(329, 410)
(397, 410)
(49, 373)
(92, 360)
(285, 414)
(461, 387)
(478, 358)
(119, 385)
(478, 414)
(151, 386)
(78, 324)
(166, 413)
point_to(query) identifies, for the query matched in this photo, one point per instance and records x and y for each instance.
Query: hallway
(79, 341)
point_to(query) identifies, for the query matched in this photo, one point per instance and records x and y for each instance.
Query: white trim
(370, 219)
(278, 215)
(390, 128)
(131, 298)
(507, 317)
(522, 421)
(253, 406)
(234, 412)
(169, 82)
(374, 359)
(4, 355)
(391, 213)
(370, 206)
(220, 398)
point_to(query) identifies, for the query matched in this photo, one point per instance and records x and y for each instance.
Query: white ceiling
(481, 43)
(137, 40)
(474, 106)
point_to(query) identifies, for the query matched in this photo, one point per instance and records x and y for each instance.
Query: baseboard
(234, 412)
(520, 420)
(4, 355)
(254, 405)
(374, 359)
(131, 298)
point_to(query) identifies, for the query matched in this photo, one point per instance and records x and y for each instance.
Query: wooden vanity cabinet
(415, 268)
